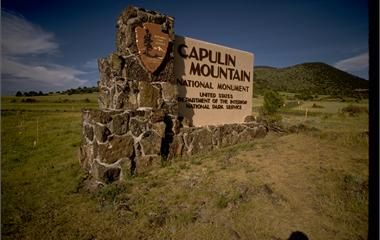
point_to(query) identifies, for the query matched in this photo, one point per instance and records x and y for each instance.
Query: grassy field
(314, 181)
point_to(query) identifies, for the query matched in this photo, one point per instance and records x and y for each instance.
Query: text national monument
(165, 97)
(214, 82)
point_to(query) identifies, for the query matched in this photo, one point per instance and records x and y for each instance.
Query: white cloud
(356, 63)
(51, 75)
(91, 64)
(20, 37)
(24, 46)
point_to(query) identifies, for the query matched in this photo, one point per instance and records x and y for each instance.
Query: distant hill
(315, 78)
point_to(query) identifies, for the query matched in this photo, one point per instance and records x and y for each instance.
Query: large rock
(165, 73)
(159, 128)
(125, 37)
(169, 91)
(176, 147)
(199, 140)
(86, 156)
(151, 143)
(148, 95)
(105, 72)
(249, 118)
(247, 135)
(157, 116)
(101, 132)
(104, 98)
(117, 148)
(116, 63)
(261, 131)
(120, 124)
(121, 101)
(138, 126)
(134, 71)
(89, 132)
(228, 135)
(99, 116)
(105, 174)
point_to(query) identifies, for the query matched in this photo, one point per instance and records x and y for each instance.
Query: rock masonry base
(119, 143)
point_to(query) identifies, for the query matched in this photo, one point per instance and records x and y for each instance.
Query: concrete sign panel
(214, 82)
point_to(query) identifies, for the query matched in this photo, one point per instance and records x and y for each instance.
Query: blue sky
(53, 45)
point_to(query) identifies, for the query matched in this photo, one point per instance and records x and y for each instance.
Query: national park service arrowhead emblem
(152, 44)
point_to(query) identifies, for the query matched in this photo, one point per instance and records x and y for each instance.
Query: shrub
(304, 96)
(222, 201)
(354, 110)
(28, 100)
(272, 102)
(316, 106)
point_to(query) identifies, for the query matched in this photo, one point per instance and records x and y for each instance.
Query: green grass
(58, 102)
(314, 181)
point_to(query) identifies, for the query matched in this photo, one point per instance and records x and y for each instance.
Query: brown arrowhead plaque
(152, 44)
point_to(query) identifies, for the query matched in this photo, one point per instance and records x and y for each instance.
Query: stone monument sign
(163, 97)
(214, 82)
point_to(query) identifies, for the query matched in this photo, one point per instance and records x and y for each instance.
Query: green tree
(272, 102)
(19, 94)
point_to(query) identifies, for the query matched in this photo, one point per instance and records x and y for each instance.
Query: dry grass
(314, 182)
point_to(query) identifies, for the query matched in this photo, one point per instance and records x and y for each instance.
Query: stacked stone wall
(121, 142)
(137, 125)
(124, 81)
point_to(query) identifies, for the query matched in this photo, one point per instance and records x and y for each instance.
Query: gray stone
(169, 91)
(101, 132)
(134, 71)
(105, 72)
(202, 141)
(122, 101)
(132, 101)
(216, 137)
(104, 98)
(122, 86)
(186, 122)
(148, 95)
(176, 147)
(159, 127)
(105, 174)
(228, 135)
(247, 135)
(167, 73)
(86, 156)
(116, 64)
(137, 126)
(170, 107)
(128, 13)
(100, 116)
(157, 116)
(86, 115)
(177, 126)
(151, 143)
(261, 131)
(249, 118)
(118, 147)
(120, 124)
(89, 132)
